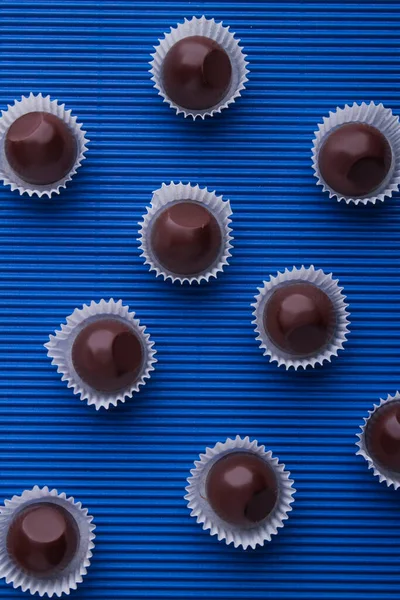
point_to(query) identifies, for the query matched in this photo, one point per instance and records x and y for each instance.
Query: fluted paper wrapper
(60, 582)
(369, 114)
(328, 285)
(173, 194)
(60, 351)
(39, 103)
(385, 475)
(220, 34)
(257, 534)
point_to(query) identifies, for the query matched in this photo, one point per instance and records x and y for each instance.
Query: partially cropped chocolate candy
(299, 318)
(108, 355)
(186, 238)
(197, 73)
(383, 436)
(40, 148)
(355, 159)
(242, 488)
(42, 538)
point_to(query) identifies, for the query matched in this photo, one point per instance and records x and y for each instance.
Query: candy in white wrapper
(246, 537)
(376, 116)
(222, 36)
(60, 350)
(39, 103)
(60, 581)
(171, 194)
(385, 475)
(326, 284)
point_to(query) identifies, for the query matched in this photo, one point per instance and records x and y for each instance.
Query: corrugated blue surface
(129, 465)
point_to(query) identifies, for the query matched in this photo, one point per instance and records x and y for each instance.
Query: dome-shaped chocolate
(186, 238)
(197, 73)
(355, 159)
(40, 148)
(42, 538)
(108, 355)
(242, 488)
(382, 436)
(299, 318)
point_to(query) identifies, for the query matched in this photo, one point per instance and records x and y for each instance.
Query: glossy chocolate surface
(107, 354)
(242, 488)
(299, 318)
(355, 159)
(186, 238)
(197, 73)
(40, 148)
(382, 436)
(43, 538)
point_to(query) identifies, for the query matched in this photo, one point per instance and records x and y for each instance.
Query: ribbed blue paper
(129, 465)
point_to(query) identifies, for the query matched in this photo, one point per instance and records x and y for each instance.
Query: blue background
(129, 465)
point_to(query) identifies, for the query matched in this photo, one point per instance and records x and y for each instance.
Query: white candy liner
(371, 114)
(216, 31)
(26, 105)
(328, 285)
(61, 582)
(60, 350)
(385, 475)
(172, 194)
(196, 496)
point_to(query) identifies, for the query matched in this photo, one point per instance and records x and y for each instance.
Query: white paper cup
(200, 508)
(62, 581)
(60, 351)
(30, 104)
(328, 285)
(173, 194)
(385, 475)
(369, 114)
(220, 34)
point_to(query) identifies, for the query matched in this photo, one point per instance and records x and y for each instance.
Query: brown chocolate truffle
(382, 436)
(299, 318)
(242, 488)
(43, 538)
(186, 238)
(197, 73)
(40, 148)
(355, 159)
(108, 355)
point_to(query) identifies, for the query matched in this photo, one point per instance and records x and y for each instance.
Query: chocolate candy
(107, 354)
(40, 148)
(186, 238)
(382, 436)
(197, 73)
(42, 538)
(355, 159)
(299, 318)
(242, 488)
